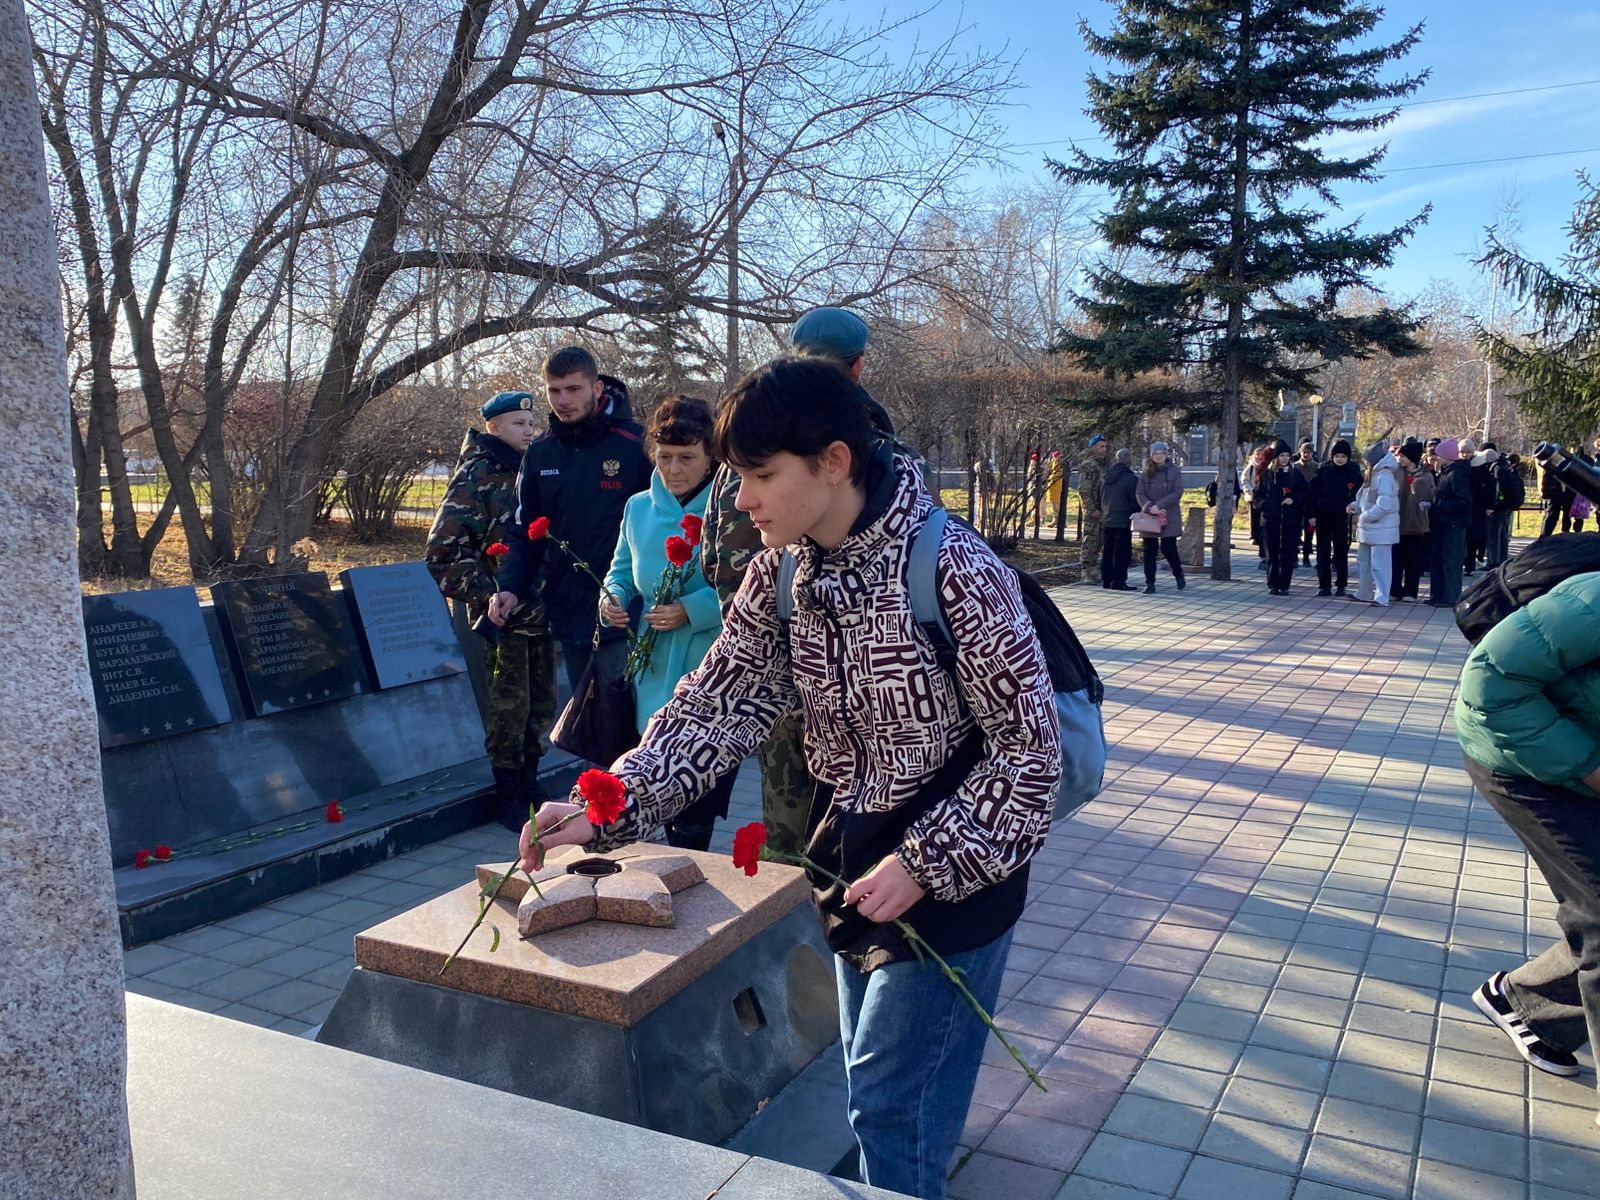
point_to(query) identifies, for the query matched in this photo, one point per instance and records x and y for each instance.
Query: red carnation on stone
(693, 527)
(141, 859)
(604, 796)
(496, 549)
(747, 843)
(163, 853)
(679, 552)
(538, 529)
(334, 812)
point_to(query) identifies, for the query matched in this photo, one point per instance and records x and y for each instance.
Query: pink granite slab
(600, 970)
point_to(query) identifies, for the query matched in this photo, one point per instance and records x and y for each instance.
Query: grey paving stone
(1316, 981)
(1302, 1006)
(1032, 1140)
(1225, 993)
(1182, 1085)
(1226, 1024)
(1450, 1181)
(1304, 1071)
(1256, 1143)
(1155, 1120)
(1391, 1022)
(1134, 1163)
(1327, 958)
(1373, 1085)
(144, 959)
(258, 920)
(1281, 1033)
(189, 972)
(1392, 1054)
(299, 961)
(1359, 1167)
(1211, 1179)
(1465, 1105)
(291, 997)
(1195, 1050)
(1502, 1074)
(1361, 1121)
(1475, 1147)
(1405, 970)
(1271, 1102)
(1572, 1124)
(1082, 1187)
(1240, 970)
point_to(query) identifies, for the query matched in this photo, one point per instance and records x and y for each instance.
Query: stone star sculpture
(631, 886)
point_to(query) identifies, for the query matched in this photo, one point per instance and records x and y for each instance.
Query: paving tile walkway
(1243, 969)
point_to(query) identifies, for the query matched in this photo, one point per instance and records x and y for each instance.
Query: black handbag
(598, 723)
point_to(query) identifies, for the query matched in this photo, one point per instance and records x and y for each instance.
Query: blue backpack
(1077, 687)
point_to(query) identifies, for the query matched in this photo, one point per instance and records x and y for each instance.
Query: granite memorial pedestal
(688, 1028)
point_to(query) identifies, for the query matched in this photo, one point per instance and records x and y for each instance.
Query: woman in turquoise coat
(680, 445)
(1528, 718)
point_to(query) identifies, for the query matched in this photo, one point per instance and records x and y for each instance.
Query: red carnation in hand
(538, 529)
(334, 812)
(747, 843)
(141, 859)
(163, 853)
(604, 796)
(496, 549)
(679, 552)
(692, 527)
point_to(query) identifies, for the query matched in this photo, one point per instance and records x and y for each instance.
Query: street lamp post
(732, 372)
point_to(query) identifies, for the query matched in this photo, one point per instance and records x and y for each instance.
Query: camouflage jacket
(478, 505)
(1092, 484)
(729, 541)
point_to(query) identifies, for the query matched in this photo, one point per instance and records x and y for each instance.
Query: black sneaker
(1492, 1003)
(1324, 592)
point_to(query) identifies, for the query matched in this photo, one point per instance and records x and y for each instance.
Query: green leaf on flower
(494, 940)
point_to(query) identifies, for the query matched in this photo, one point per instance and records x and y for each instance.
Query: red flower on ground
(604, 796)
(496, 549)
(334, 813)
(679, 552)
(163, 853)
(747, 843)
(538, 529)
(141, 859)
(693, 528)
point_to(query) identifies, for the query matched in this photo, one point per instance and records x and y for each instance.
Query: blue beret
(504, 402)
(1096, 440)
(835, 331)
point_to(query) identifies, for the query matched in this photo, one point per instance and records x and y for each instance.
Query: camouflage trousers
(1093, 538)
(522, 700)
(786, 785)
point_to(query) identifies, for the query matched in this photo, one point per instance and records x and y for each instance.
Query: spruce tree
(665, 349)
(1220, 199)
(1557, 365)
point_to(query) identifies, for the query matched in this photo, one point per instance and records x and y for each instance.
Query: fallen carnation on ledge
(750, 847)
(163, 853)
(334, 812)
(142, 859)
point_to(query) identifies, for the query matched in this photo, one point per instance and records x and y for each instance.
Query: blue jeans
(912, 1046)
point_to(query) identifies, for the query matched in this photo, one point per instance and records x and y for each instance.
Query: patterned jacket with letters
(881, 715)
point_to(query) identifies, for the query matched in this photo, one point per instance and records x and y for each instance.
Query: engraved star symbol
(638, 894)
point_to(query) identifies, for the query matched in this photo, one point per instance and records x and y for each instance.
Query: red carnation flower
(334, 812)
(163, 853)
(693, 527)
(604, 796)
(679, 552)
(538, 529)
(141, 859)
(496, 549)
(747, 843)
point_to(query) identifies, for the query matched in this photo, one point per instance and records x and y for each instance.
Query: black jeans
(1169, 550)
(1448, 557)
(692, 828)
(1115, 556)
(1410, 564)
(1558, 993)
(1333, 551)
(1283, 549)
(1558, 509)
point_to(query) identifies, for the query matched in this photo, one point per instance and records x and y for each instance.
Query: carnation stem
(483, 911)
(920, 947)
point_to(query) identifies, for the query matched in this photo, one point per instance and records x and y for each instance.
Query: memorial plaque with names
(403, 624)
(290, 641)
(155, 673)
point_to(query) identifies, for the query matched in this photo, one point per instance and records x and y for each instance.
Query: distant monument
(64, 1119)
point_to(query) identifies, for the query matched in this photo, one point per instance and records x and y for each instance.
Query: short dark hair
(682, 421)
(571, 360)
(799, 405)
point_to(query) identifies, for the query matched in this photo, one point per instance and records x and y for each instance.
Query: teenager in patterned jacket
(935, 788)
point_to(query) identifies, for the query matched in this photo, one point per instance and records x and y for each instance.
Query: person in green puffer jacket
(1528, 717)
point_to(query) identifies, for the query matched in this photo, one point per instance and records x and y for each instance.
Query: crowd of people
(937, 774)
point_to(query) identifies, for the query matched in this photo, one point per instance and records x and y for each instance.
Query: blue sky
(1471, 47)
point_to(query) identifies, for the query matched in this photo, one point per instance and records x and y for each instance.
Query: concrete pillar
(63, 1039)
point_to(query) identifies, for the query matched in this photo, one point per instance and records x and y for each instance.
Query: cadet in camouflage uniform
(1092, 500)
(521, 659)
(729, 541)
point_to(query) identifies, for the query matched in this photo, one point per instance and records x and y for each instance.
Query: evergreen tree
(1221, 191)
(1558, 366)
(664, 349)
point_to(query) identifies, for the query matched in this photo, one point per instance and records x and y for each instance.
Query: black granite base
(699, 1066)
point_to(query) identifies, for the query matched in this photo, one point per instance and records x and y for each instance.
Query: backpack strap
(922, 581)
(786, 569)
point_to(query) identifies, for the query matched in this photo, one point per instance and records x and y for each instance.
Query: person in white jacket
(1377, 511)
